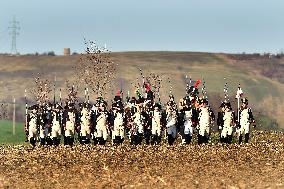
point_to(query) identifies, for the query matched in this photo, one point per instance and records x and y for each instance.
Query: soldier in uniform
(220, 121)
(246, 118)
(189, 119)
(102, 120)
(85, 124)
(206, 117)
(94, 115)
(117, 121)
(69, 122)
(171, 121)
(48, 117)
(32, 123)
(42, 124)
(56, 124)
(148, 114)
(138, 124)
(228, 123)
(156, 125)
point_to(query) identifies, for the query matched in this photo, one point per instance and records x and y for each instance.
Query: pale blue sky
(132, 25)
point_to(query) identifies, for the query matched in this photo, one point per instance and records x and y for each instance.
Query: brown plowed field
(259, 164)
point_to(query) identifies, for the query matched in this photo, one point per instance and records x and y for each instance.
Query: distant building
(67, 52)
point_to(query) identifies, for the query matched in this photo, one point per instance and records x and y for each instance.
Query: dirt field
(259, 164)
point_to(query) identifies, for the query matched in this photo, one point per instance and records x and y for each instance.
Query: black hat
(33, 107)
(244, 100)
(117, 98)
(157, 105)
(150, 95)
(223, 104)
(192, 91)
(228, 105)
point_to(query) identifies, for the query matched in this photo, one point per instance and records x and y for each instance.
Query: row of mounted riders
(138, 119)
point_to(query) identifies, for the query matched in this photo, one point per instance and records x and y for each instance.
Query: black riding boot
(65, 140)
(101, 141)
(153, 139)
(229, 139)
(171, 139)
(121, 140)
(222, 140)
(205, 139)
(83, 140)
(33, 141)
(95, 140)
(246, 137)
(55, 141)
(49, 141)
(147, 136)
(70, 140)
(200, 139)
(116, 140)
(240, 138)
(159, 139)
(42, 141)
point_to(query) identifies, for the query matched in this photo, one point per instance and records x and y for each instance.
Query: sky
(230, 26)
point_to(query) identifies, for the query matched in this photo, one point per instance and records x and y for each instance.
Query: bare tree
(41, 90)
(96, 69)
(72, 91)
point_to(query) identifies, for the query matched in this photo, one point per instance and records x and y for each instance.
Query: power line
(14, 33)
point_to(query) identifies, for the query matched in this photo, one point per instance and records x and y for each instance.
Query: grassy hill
(6, 133)
(260, 77)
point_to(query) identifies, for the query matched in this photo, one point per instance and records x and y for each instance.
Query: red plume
(147, 86)
(118, 92)
(197, 83)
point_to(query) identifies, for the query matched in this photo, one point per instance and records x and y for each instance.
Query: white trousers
(172, 130)
(156, 129)
(70, 129)
(227, 130)
(101, 132)
(56, 130)
(188, 129)
(85, 130)
(118, 130)
(32, 131)
(244, 128)
(204, 129)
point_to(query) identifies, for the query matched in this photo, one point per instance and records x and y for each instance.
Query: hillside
(260, 77)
